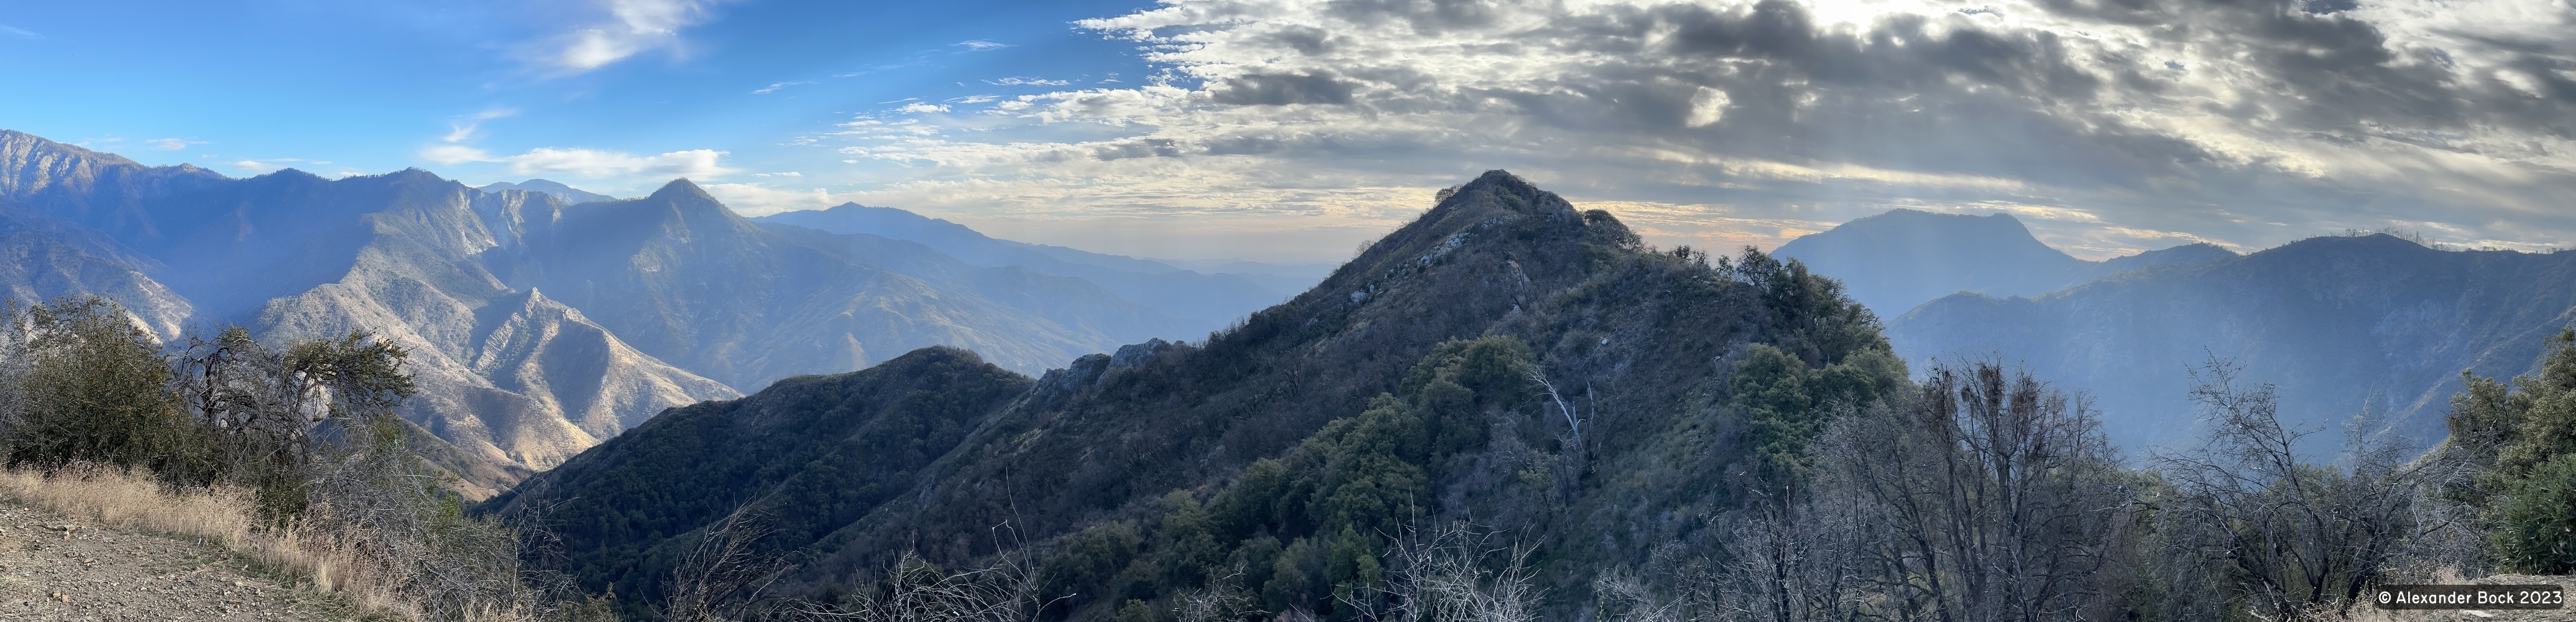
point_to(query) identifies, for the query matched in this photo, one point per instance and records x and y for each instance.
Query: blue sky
(364, 85)
(1292, 130)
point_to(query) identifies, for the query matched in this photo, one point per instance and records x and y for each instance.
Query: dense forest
(1508, 410)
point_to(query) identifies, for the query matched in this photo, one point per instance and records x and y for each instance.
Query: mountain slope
(42, 258)
(1442, 315)
(1896, 260)
(102, 191)
(508, 374)
(2339, 323)
(1209, 298)
(826, 448)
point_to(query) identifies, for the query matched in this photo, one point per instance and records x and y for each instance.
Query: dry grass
(223, 515)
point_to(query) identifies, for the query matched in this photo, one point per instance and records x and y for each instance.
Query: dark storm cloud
(1283, 89)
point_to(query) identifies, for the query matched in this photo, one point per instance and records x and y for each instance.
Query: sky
(1283, 130)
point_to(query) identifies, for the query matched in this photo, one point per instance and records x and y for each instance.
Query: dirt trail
(111, 574)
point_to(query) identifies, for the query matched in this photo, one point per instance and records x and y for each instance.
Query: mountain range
(540, 318)
(1402, 385)
(1894, 261)
(1512, 362)
(2341, 325)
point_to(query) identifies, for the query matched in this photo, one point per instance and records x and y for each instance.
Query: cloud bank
(2111, 125)
(590, 163)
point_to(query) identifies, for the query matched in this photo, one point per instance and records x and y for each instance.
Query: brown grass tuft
(223, 515)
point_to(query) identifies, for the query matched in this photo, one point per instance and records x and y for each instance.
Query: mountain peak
(1901, 258)
(682, 188)
(13, 143)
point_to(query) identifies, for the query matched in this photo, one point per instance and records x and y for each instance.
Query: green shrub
(2535, 528)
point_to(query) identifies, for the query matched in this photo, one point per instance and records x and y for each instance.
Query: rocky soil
(94, 573)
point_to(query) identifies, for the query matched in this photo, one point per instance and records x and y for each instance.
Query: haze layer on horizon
(1293, 130)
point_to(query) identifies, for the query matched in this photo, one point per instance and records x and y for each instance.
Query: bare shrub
(2293, 537)
(1455, 572)
(914, 590)
(724, 571)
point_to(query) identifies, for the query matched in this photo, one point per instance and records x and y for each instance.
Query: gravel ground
(109, 574)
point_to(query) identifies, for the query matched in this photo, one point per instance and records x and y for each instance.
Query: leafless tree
(1222, 600)
(2296, 536)
(1990, 497)
(914, 590)
(1455, 572)
(1573, 424)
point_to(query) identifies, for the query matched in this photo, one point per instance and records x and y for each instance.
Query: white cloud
(593, 163)
(1025, 81)
(979, 45)
(254, 166)
(172, 144)
(919, 107)
(20, 32)
(631, 27)
(462, 129)
(779, 174)
(455, 154)
(775, 86)
(1708, 106)
(2162, 120)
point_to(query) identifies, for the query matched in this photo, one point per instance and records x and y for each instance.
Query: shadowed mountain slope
(1443, 314)
(1896, 260)
(823, 449)
(2339, 323)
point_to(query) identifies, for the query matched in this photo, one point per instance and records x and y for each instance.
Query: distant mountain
(1394, 389)
(1071, 302)
(2339, 323)
(1210, 298)
(508, 374)
(42, 258)
(537, 326)
(568, 194)
(1284, 277)
(684, 279)
(1896, 260)
(103, 191)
